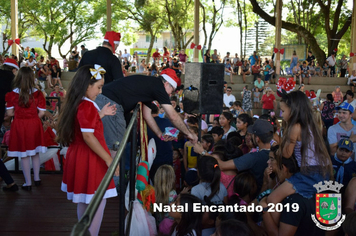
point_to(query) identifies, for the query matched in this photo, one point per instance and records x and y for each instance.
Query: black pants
(332, 70)
(343, 72)
(328, 123)
(4, 173)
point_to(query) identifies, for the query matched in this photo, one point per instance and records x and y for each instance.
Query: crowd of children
(260, 164)
(241, 159)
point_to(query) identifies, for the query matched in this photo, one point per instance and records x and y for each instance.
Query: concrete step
(313, 80)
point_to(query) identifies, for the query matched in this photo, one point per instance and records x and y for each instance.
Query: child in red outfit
(56, 93)
(88, 157)
(27, 105)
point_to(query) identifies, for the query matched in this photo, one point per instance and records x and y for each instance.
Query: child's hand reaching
(186, 189)
(108, 110)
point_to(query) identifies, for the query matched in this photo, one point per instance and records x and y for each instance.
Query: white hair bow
(97, 71)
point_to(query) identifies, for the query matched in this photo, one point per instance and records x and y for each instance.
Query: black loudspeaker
(204, 88)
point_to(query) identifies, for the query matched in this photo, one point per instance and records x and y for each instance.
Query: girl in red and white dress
(88, 157)
(27, 105)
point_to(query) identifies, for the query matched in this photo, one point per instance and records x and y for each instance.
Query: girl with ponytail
(210, 190)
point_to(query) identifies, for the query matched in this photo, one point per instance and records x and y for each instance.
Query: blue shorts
(303, 183)
(267, 77)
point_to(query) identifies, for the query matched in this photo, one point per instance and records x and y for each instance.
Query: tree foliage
(312, 19)
(146, 14)
(56, 21)
(24, 24)
(179, 14)
(212, 12)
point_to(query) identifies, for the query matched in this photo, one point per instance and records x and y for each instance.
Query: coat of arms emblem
(328, 205)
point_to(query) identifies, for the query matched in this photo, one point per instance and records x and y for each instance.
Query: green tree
(130, 36)
(334, 14)
(146, 14)
(212, 13)
(24, 24)
(57, 21)
(179, 15)
(245, 20)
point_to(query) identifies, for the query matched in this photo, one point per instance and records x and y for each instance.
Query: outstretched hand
(198, 148)
(108, 110)
(168, 138)
(193, 138)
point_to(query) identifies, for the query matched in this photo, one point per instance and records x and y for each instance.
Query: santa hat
(171, 77)
(312, 95)
(11, 62)
(307, 93)
(113, 38)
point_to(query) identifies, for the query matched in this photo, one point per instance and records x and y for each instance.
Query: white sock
(81, 207)
(36, 167)
(98, 217)
(96, 223)
(26, 169)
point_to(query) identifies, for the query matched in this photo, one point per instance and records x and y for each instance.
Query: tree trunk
(245, 16)
(204, 30)
(150, 47)
(188, 42)
(239, 13)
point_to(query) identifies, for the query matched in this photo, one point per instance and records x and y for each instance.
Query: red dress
(26, 136)
(84, 169)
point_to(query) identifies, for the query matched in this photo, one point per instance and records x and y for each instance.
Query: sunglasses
(228, 90)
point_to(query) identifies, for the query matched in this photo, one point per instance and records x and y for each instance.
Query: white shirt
(331, 61)
(23, 63)
(225, 58)
(31, 64)
(127, 55)
(235, 60)
(353, 103)
(228, 99)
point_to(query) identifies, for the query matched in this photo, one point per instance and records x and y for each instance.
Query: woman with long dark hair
(327, 111)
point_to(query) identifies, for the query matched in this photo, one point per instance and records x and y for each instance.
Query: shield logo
(328, 207)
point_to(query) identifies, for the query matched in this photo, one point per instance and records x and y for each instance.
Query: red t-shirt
(268, 101)
(156, 54)
(54, 63)
(256, 69)
(182, 57)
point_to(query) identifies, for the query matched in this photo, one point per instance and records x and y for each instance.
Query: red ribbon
(10, 41)
(280, 51)
(352, 54)
(335, 50)
(192, 46)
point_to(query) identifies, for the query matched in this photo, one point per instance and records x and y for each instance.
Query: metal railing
(81, 228)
